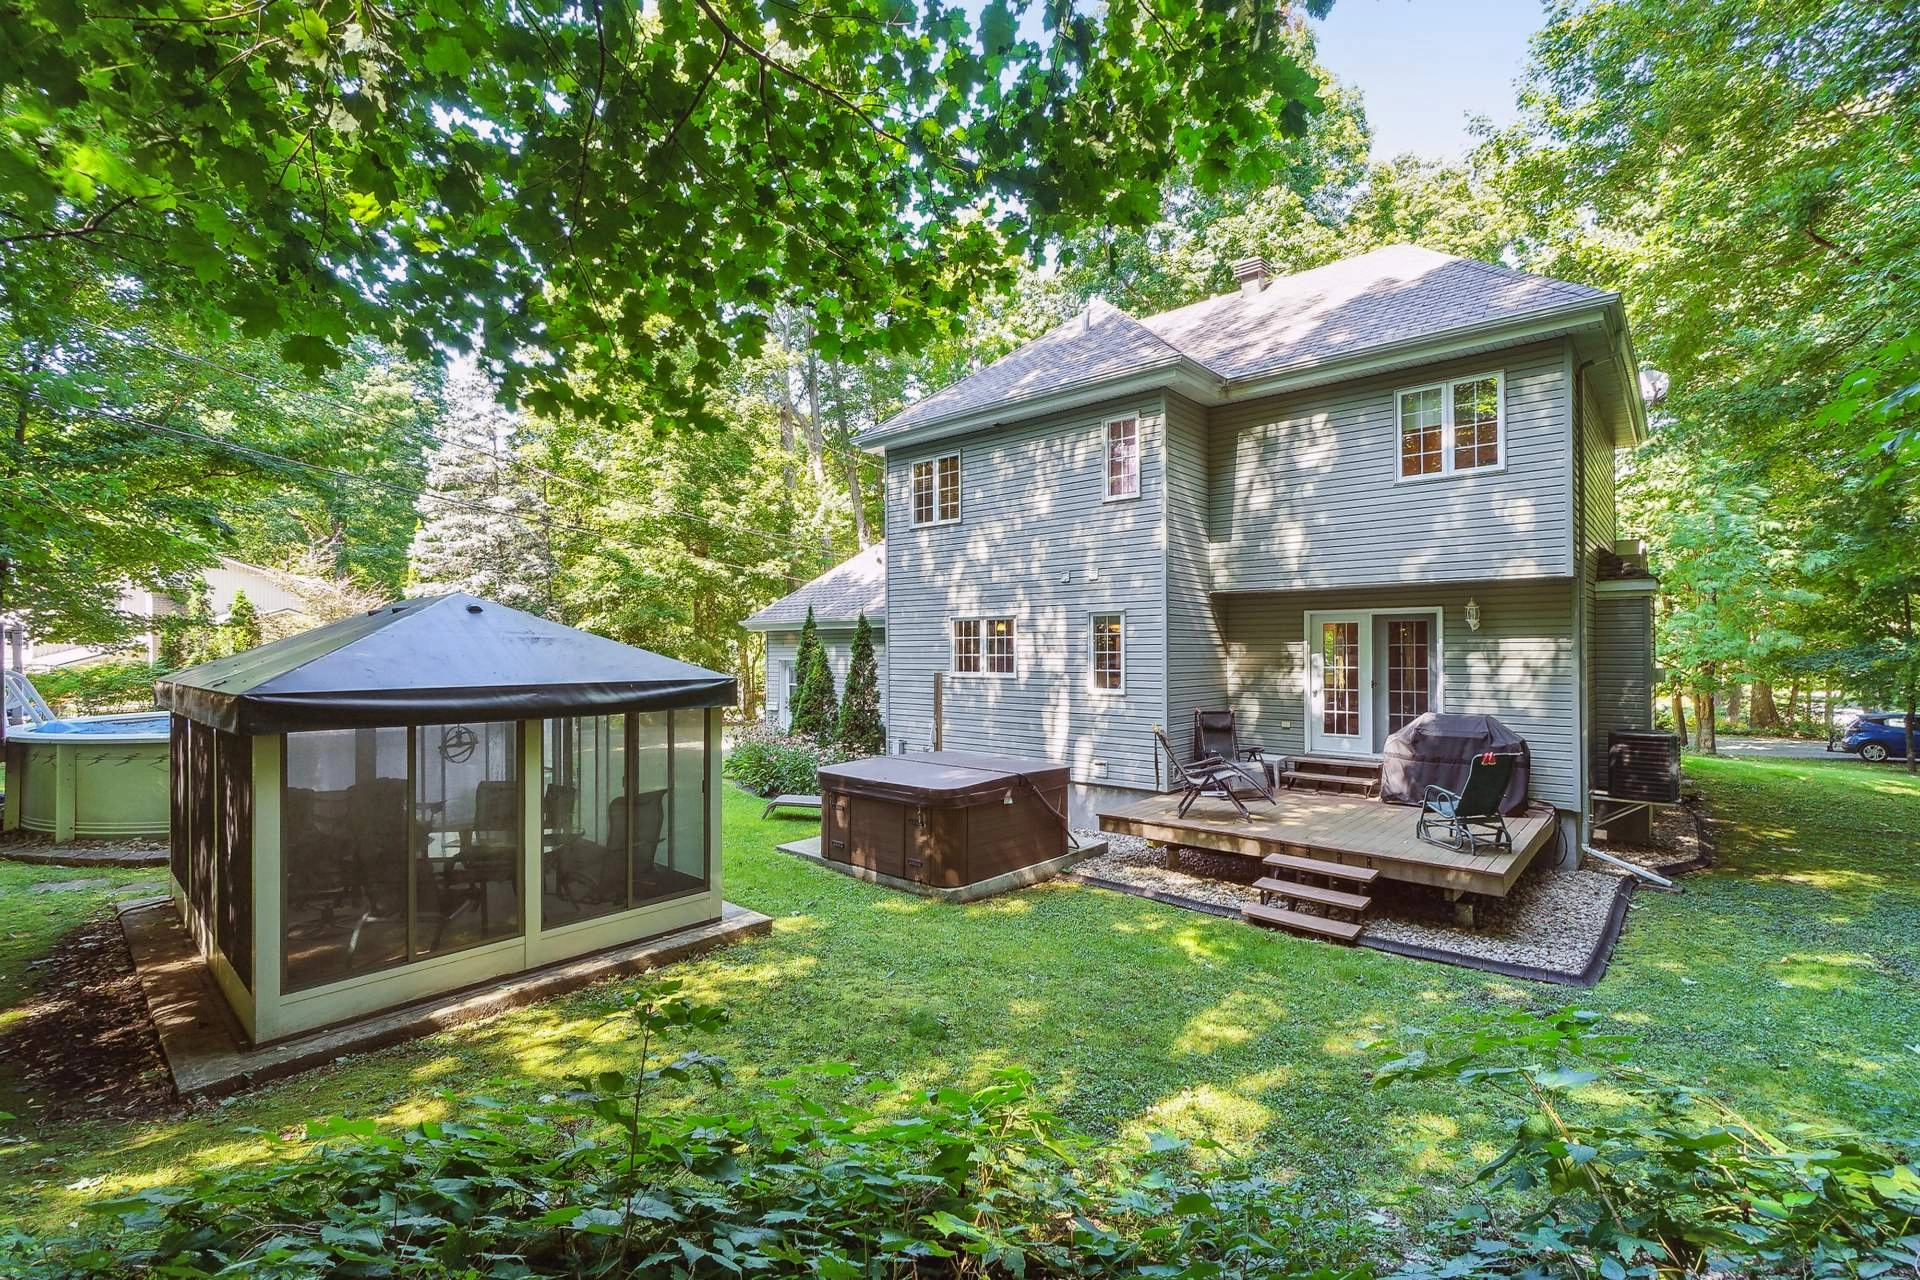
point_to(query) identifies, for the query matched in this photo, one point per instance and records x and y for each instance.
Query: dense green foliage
(1743, 174)
(98, 688)
(814, 712)
(1686, 1186)
(599, 1181)
(770, 762)
(860, 730)
(609, 192)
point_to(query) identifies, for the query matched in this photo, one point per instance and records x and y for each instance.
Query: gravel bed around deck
(1554, 925)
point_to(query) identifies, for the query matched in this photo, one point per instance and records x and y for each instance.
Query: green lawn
(1788, 978)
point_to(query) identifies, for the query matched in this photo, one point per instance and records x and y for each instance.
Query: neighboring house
(1331, 501)
(273, 593)
(837, 597)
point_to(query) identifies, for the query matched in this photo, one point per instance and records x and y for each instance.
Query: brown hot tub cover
(1438, 750)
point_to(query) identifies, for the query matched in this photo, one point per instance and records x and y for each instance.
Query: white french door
(1340, 683)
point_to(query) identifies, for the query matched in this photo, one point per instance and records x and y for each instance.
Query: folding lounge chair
(1207, 776)
(1470, 819)
(1215, 737)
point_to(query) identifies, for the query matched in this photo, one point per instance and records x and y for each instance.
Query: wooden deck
(1349, 829)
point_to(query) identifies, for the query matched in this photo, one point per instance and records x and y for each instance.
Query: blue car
(1877, 736)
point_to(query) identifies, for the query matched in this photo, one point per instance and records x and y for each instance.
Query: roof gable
(840, 595)
(1100, 342)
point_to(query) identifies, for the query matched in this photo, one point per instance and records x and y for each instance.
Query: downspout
(1583, 663)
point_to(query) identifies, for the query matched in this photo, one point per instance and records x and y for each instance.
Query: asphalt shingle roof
(1100, 342)
(839, 595)
(1393, 295)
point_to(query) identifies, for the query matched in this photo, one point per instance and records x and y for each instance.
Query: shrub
(814, 709)
(100, 688)
(1677, 1184)
(596, 1182)
(860, 730)
(768, 762)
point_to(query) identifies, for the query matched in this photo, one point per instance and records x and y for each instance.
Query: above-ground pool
(89, 776)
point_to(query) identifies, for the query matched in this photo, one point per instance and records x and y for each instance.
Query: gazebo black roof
(433, 660)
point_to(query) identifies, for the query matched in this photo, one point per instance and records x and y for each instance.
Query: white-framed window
(936, 490)
(1452, 427)
(1109, 664)
(1122, 455)
(983, 646)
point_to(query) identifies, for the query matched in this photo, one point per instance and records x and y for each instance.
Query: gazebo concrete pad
(206, 1049)
(1007, 882)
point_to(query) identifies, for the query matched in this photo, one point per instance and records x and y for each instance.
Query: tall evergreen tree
(243, 622)
(481, 527)
(814, 709)
(860, 728)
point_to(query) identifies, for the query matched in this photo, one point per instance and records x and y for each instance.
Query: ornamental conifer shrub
(860, 731)
(815, 710)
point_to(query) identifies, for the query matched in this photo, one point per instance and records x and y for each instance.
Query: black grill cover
(1439, 749)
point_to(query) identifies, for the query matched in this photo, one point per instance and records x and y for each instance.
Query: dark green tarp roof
(434, 660)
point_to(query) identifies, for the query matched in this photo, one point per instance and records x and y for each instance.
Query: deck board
(1355, 830)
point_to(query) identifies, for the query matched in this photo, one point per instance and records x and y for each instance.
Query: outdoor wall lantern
(1473, 614)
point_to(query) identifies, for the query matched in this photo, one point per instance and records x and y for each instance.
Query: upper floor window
(1123, 457)
(1452, 427)
(983, 646)
(1109, 657)
(936, 490)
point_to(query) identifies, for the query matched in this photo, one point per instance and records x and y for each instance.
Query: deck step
(1297, 892)
(1338, 764)
(1300, 922)
(1297, 777)
(1315, 867)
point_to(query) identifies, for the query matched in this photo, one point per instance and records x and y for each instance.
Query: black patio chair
(1470, 818)
(1207, 776)
(1215, 736)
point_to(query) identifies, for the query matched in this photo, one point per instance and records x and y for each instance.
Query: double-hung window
(983, 646)
(1452, 427)
(936, 490)
(1123, 457)
(1109, 653)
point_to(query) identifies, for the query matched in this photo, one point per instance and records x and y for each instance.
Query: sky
(1424, 66)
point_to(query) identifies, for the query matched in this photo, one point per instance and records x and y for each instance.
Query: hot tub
(90, 776)
(947, 820)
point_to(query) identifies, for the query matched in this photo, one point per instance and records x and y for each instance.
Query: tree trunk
(1732, 707)
(1680, 715)
(857, 497)
(1826, 703)
(1703, 707)
(1913, 684)
(1763, 712)
(1793, 709)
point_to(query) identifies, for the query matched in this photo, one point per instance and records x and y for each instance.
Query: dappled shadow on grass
(1136, 1017)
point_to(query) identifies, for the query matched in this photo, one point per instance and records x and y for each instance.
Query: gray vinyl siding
(1622, 681)
(1035, 541)
(1520, 665)
(1196, 649)
(1303, 490)
(784, 646)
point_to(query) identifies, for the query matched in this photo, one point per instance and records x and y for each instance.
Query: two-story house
(1331, 501)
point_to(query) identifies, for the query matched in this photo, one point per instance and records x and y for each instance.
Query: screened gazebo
(435, 794)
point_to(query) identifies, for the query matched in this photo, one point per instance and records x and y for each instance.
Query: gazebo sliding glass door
(624, 813)
(397, 844)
